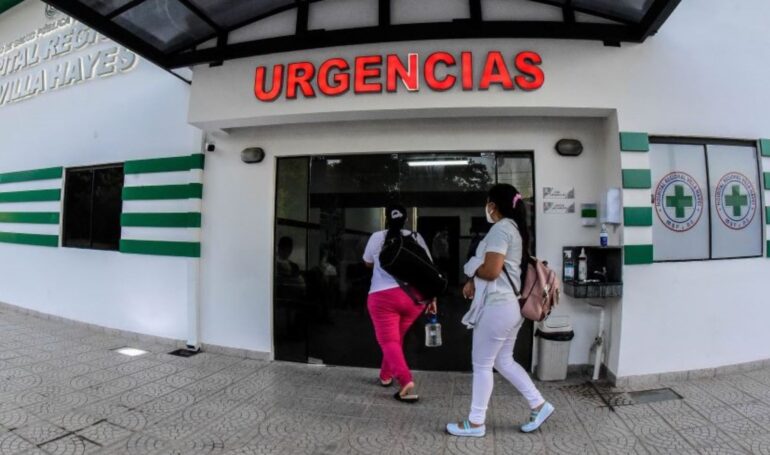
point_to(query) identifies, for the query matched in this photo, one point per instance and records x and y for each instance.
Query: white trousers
(493, 340)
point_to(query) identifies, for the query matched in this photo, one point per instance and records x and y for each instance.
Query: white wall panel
(140, 114)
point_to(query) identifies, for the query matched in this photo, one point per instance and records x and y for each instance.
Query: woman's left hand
(431, 308)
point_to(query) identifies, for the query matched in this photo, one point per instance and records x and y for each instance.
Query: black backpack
(409, 263)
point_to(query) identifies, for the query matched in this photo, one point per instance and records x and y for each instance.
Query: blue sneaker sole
(541, 424)
(467, 435)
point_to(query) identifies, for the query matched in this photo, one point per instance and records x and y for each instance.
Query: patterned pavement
(64, 391)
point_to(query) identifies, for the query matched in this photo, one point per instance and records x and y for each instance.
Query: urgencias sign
(438, 71)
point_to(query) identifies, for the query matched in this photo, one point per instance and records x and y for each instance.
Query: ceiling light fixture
(131, 352)
(438, 163)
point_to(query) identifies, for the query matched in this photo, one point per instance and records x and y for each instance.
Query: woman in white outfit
(495, 316)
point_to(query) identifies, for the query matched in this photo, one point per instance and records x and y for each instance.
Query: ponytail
(510, 203)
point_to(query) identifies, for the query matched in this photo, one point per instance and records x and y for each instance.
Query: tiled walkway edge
(172, 344)
(625, 382)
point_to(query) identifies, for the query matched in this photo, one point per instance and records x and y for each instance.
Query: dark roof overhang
(171, 33)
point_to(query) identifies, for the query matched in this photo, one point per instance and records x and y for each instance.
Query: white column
(194, 274)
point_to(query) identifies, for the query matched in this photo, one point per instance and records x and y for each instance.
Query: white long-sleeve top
(483, 287)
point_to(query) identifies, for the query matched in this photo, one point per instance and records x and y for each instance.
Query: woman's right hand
(469, 290)
(432, 307)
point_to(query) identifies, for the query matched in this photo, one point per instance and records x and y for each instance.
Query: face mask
(489, 215)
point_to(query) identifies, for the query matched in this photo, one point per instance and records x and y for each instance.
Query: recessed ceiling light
(438, 163)
(131, 352)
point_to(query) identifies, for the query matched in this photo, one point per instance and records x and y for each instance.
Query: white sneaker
(466, 430)
(538, 418)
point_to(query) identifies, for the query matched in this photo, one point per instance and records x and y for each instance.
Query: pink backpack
(540, 292)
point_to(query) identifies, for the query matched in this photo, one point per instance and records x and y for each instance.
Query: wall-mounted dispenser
(612, 207)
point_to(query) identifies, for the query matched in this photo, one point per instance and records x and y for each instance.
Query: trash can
(554, 337)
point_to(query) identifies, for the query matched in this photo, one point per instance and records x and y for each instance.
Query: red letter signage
(341, 79)
(260, 90)
(299, 75)
(434, 82)
(439, 71)
(528, 63)
(495, 72)
(408, 75)
(365, 72)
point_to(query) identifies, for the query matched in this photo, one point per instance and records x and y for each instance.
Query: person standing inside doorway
(495, 316)
(391, 308)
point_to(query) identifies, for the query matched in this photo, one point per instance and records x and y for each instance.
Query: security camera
(210, 146)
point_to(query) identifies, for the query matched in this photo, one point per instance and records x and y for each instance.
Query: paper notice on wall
(550, 192)
(558, 208)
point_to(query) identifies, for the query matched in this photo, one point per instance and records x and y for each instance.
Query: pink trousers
(393, 312)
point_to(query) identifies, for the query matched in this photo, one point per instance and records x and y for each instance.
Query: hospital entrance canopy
(181, 33)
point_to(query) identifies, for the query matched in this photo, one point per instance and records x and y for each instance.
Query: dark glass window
(92, 207)
(164, 24)
(106, 6)
(228, 14)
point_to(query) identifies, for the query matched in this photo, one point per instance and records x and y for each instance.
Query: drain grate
(183, 353)
(604, 396)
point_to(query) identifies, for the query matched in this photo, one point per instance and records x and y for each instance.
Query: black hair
(285, 247)
(395, 219)
(286, 243)
(503, 196)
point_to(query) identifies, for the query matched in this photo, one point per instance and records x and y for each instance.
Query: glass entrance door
(327, 207)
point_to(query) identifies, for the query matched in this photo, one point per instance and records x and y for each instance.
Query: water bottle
(604, 237)
(582, 265)
(433, 332)
(569, 266)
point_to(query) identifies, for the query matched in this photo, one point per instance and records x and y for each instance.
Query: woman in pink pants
(392, 310)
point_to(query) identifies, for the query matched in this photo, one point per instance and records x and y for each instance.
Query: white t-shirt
(504, 238)
(382, 280)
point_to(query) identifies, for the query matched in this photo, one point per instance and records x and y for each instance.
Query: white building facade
(264, 257)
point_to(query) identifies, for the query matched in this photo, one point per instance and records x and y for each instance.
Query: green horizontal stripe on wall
(30, 239)
(637, 216)
(589, 213)
(768, 248)
(161, 248)
(637, 254)
(163, 220)
(28, 176)
(147, 193)
(767, 180)
(30, 217)
(634, 142)
(767, 215)
(173, 164)
(30, 196)
(637, 179)
(764, 147)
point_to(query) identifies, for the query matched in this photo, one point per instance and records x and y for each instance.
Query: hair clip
(396, 214)
(516, 199)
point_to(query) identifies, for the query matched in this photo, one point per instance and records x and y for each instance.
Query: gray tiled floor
(64, 391)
